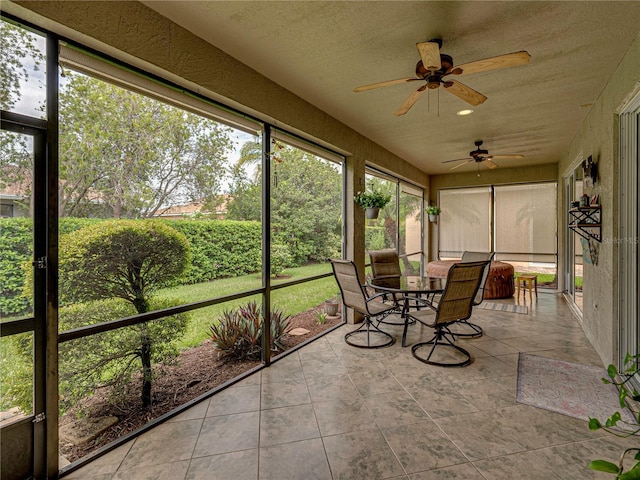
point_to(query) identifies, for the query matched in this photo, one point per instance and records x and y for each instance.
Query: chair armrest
(381, 294)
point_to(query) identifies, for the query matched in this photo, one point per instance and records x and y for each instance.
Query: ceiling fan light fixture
(464, 112)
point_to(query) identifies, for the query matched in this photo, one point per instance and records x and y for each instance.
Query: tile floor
(331, 411)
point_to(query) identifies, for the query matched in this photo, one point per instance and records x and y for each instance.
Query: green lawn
(291, 300)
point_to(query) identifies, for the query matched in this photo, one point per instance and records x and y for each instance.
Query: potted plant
(433, 211)
(331, 306)
(372, 202)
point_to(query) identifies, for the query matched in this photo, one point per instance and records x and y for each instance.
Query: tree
(306, 201)
(19, 47)
(134, 154)
(123, 259)
(246, 197)
(19, 56)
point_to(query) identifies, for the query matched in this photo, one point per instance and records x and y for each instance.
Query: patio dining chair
(455, 305)
(385, 271)
(367, 335)
(473, 330)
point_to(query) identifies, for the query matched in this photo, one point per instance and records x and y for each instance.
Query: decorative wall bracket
(586, 222)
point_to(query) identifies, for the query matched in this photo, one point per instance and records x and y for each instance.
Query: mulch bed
(197, 371)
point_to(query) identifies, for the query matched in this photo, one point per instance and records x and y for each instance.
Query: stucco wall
(598, 136)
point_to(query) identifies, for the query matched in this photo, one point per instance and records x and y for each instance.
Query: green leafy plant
(321, 317)
(433, 210)
(238, 333)
(373, 199)
(280, 259)
(616, 425)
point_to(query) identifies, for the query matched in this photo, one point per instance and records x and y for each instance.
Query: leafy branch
(628, 397)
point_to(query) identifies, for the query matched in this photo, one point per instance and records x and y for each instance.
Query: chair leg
(475, 330)
(440, 339)
(369, 329)
(398, 309)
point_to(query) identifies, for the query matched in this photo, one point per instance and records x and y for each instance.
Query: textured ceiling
(321, 51)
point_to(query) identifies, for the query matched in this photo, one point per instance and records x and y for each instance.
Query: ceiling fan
(482, 156)
(433, 66)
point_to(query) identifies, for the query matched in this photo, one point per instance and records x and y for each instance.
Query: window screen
(465, 221)
(525, 222)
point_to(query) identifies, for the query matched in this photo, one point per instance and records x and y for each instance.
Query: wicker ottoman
(499, 282)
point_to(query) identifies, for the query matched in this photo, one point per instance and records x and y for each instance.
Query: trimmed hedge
(219, 248)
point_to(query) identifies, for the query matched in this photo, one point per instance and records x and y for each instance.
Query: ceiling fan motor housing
(478, 153)
(446, 63)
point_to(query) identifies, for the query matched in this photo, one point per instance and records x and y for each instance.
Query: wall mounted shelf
(586, 222)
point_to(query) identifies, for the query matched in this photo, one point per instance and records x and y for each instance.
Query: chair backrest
(385, 267)
(479, 257)
(463, 281)
(352, 291)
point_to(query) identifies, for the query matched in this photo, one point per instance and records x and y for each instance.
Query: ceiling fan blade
(494, 63)
(490, 164)
(430, 55)
(411, 99)
(464, 163)
(506, 157)
(467, 94)
(458, 160)
(385, 84)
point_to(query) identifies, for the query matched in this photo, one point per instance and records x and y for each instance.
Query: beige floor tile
(361, 456)
(283, 394)
(106, 465)
(299, 460)
(236, 399)
(159, 471)
(166, 443)
(479, 436)
(422, 446)
(458, 472)
(241, 465)
(502, 468)
(342, 416)
(288, 424)
(228, 433)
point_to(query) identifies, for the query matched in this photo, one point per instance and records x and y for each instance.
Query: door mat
(504, 307)
(567, 388)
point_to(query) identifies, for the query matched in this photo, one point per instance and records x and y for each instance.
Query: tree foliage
(306, 204)
(19, 49)
(132, 154)
(121, 258)
(20, 57)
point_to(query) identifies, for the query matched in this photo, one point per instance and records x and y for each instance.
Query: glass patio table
(412, 288)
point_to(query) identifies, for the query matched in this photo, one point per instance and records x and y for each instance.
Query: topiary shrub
(112, 359)
(238, 333)
(125, 259)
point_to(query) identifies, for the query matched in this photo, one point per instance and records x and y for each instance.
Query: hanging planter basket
(433, 218)
(371, 212)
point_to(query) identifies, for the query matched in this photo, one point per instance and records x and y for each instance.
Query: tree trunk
(145, 357)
